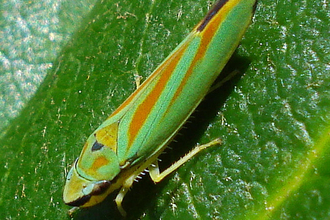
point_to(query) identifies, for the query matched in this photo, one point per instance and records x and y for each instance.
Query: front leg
(120, 196)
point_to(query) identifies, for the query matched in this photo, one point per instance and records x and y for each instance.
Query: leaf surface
(273, 117)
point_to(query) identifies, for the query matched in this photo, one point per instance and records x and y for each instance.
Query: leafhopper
(130, 140)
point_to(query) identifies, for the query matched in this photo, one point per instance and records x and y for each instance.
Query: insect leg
(119, 198)
(156, 176)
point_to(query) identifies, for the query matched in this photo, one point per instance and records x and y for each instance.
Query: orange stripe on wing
(207, 34)
(136, 92)
(130, 98)
(206, 23)
(143, 110)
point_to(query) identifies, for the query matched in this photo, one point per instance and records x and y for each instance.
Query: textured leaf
(273, 117)
(32, 34)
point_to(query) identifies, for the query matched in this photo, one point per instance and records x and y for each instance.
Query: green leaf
(273, 117)
(32, 33)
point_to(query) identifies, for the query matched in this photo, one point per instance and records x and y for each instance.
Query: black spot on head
(97, 146)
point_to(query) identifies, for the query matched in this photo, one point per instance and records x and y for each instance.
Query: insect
(130, 140)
